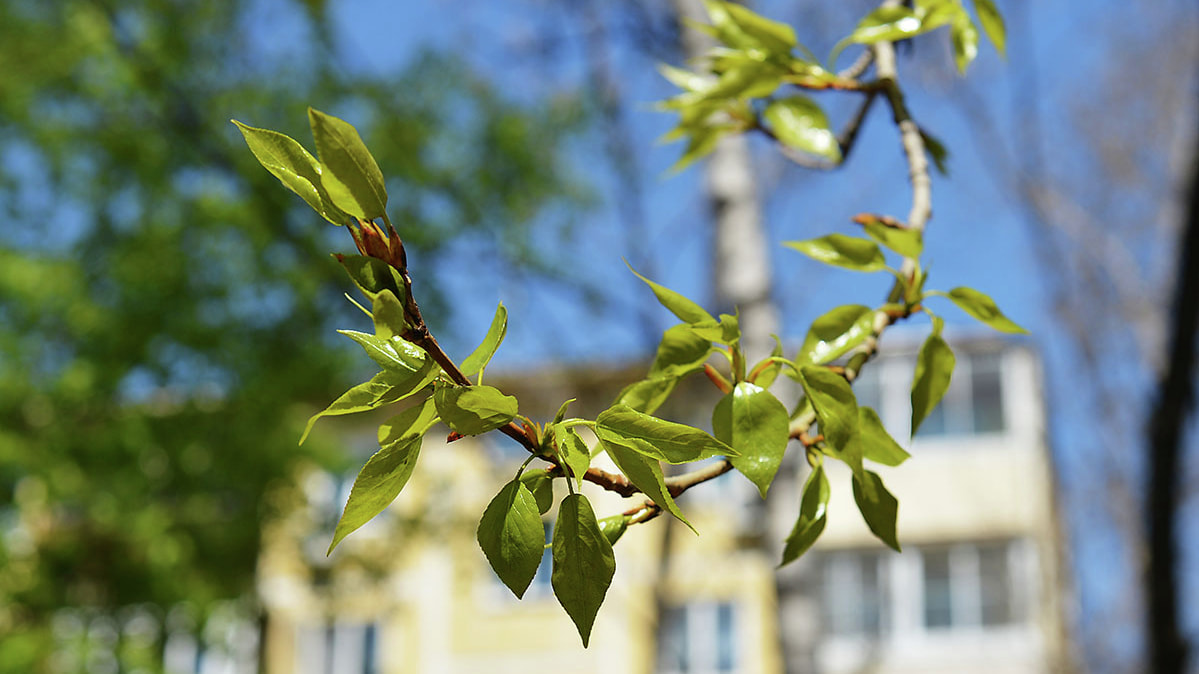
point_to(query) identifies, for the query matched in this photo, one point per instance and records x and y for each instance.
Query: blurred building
(973, 591)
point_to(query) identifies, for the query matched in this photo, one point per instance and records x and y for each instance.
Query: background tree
(165, 307)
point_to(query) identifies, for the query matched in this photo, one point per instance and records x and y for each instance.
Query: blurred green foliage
(160, 298)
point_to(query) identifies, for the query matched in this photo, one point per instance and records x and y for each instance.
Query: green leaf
(383, 389)
(992, 23)
(834, 402)
(769, 373)
(836, 333)
(798, 122)
(648, 395)
(687, 310)
(875, 443)
(658, 438)
(965, 41)
(934, 369)
(299, 171)
(614, 527)
(740, 27)
(682, 78)
(843, 251)
(813, 515)
(700, 143)
(937, 152)
(573, 451)
(395, 354)
(982, 308)
(471, 410)
(541, 486)
(388, 315)
(352, 178)
(645, 474)
(886, 24)
(906, 242)
(512, 537)
(752, 421)
(414, 421)
(725, 331)
(878, 507)
(372, 275)
(583, 563)
(385, 473)
(477, 360)
(680, 350)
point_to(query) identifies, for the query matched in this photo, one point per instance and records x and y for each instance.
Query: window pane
(995, 584)
(938, 597)
(672, 641)
(726, 638)
(854, 594)
(986, 393)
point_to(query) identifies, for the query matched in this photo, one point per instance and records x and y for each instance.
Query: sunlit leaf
(843, 251)
(798, 122)
(813, 515)
(645, 474)
(965, 41)
(573, 451)
(878, 507)
(583, 563)
(351, 177)
(471, 410)
(614, 527)
(934, 369)
(834, 402)
(478, 359)
(299, 171)
(738, 26)
(687, 310)
(384, 388)
(681, 349)
(983, 308)
(511, 536)
(648, 395)
(875, 443)
(388, 315)
(992, 23)
(395, 354)
(657, 438)
(836, 333)
(906, 242)
(372, 275)
(541, 486)
(752, 421)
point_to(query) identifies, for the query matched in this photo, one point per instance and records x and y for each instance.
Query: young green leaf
(680, 350)
(648, 395)
(351, 177)
(385, 473)
(683, 79)
(768, 373)
(511, 536)
(886, 23)
(687, 310)
(299, 171)
(936, 151)
(645, 474)
(477, 360)
(583, 563)
(876, 443)
(983, 308)
(878, 507)
(834, 402)
(798, 122)
(573, 451)
(395, 354)
(752, 421)
(843, 251)
(658, 438)
(813, 515)
(541, 486)
(835, 333)
(740, 27)
(992, 22)
(934, 369)
(388, 315)
(614, 527)
(906, 242)
(471, 410)
(372, 275)
(965, 41)
(725, 331)
(383, 389)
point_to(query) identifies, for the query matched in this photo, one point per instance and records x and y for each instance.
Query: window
(698, 638)
(338, 648)
(974, 401)
(968, 586)
(854, 593)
